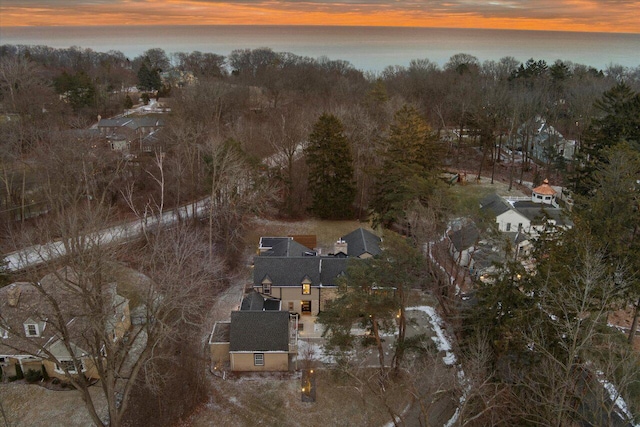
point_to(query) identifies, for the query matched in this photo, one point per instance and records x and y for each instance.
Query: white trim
(27, 331)
(258, 359)
(74, 371)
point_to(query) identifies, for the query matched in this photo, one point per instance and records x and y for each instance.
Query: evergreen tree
(619, 122)
(148, 76)
(78, 88)
(411, 159)
(330, 169)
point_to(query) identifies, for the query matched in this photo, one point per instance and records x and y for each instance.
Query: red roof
(545, 189)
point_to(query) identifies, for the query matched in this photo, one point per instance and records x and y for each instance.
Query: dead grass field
(27, 405)
(275, 400)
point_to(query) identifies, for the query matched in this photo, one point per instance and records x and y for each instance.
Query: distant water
(367, 48)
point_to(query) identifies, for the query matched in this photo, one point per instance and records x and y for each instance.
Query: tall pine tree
(330, 169)
(411, 164)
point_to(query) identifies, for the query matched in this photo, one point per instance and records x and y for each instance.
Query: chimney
(13, 295)
(340, 246)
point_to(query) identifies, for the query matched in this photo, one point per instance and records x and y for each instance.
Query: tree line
(272, 133)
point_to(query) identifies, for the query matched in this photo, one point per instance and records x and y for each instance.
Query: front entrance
(306, 307)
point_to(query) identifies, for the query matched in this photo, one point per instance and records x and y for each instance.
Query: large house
(302, 279)
(131, 133)
(31, 328)
(291, 284)
(542, 141)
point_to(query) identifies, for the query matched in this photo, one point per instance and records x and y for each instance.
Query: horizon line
(318, 26)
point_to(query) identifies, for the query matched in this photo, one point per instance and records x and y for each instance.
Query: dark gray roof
(132, 122)
(256, 302)
(536, 212)
(289, 247)
(253, 301)
(464, 238)
(290, 271)
(361, 242)
(494, 204)
(270, 242)
(484, 258)
(259, 331)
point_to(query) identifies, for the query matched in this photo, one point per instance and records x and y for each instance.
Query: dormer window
(266, 286)
(31, 330)
(306, 286)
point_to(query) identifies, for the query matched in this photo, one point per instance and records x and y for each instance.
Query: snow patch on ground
(315, 350)
(443, 343)
(440, 339)
(616, 398)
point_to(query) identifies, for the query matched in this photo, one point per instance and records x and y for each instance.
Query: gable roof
(256, 302)
(259, 331)
(494, 204)
(31, 306)
(289, 247)
(291, 271)
(537, 212)
(361, 241)
(465, 237)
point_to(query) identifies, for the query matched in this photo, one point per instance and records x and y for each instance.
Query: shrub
(19, 373)
(33, 376)
(45, 374)
(55, 381)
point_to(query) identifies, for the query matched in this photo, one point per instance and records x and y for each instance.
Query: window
(31, 330)
(519, 226)
(266, 288)
(508, 226)
(258, 359)
(4, 333)
(306, 307)
(290, 305)
(69, 366)
(306, 288)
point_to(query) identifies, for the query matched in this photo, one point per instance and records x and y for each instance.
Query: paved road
(39, 254)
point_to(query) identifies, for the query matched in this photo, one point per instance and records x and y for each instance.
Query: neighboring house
(127, 133)
(259, 337)
(31, 332)
(544, 142)
(462, 243)
(178, 78)
(506, 217)
(523, 214)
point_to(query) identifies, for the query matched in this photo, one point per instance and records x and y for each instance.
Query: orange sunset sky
(562, 15)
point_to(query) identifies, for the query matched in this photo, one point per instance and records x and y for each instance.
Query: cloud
(582, 15)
